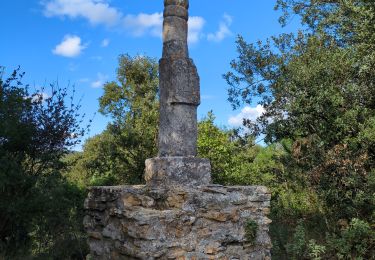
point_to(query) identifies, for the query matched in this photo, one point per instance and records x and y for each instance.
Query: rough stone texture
(140, 222)
(177, 171)
(179, 85)
(179, 98)
(181, 77)
(178, 11)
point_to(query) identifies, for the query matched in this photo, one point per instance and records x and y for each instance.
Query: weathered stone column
(179, 99)
(178, 214)
(179, 85)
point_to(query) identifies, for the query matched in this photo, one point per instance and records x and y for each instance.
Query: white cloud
(152, 24)
(70, 47)
(142, 24)
(247, 112)
(223, 31)
(100, 12)
(95, 11)
(101, 79)
(196, 24)
(105, 43)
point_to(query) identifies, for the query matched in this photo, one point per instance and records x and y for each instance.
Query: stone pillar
(179, 99)
(179, 86)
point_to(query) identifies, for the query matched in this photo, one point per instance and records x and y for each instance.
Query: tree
(117, 155)
(215, 144)
(235, 159)
(39, 209)
(317, 88)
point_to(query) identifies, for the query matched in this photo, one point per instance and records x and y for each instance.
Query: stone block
(178, 131)
(175, 28)
(175, 10)
(183, 3)
(177, 171)
(175, 49)
(180, 79)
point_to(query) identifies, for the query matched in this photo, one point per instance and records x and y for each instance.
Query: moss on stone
(251, 228)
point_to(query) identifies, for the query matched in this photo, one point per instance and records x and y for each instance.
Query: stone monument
(179, 99)
(178, 214)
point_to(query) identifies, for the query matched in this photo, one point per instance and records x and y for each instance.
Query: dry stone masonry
(207, 222)
(178, 214)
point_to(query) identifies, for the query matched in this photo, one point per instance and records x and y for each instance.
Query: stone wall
(208, 222)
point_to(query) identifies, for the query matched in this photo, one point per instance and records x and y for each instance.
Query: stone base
(209, 222)
(177, 171)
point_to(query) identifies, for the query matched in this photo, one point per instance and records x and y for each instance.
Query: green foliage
(317, 88)
(117, 155)
(215, 144)
(134, 96)
(98, 164)
(298, 246)
(354, 242)
(57, 230)
(251, 230)
(315, 250)
(235, 159)
(40, 211)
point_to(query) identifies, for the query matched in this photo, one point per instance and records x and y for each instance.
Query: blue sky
(78, 42)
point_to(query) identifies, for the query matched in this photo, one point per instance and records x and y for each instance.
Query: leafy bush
(354, 242)
(40, 211)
